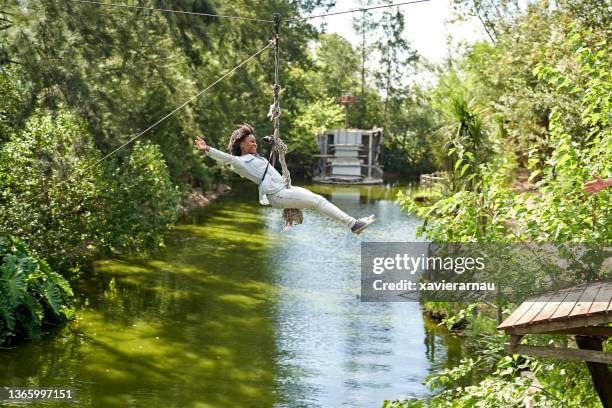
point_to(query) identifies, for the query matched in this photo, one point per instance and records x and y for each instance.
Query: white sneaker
(362, 224)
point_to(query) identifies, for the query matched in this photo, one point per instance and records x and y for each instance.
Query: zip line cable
(248, 18)
(270, 43)
(356, 10)
(173, 11)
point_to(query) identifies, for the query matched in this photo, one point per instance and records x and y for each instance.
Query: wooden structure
(347, 100)
(349, 156)
(584, 311)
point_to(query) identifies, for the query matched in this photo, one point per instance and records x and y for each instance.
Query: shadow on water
(233, 313)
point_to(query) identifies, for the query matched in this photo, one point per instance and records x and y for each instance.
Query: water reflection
(235, 314)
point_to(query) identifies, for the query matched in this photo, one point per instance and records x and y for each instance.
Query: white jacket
(252, 167)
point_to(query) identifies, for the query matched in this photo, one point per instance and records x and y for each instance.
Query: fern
(52, 296)
(26, 324)
(68, 312)
(60, 282)
(7, 313)
(31, 323)
(35, 287)
(28, 265)
(34, 307)
(30, 292)
(44, 266)
(13, 280)
(20, 249)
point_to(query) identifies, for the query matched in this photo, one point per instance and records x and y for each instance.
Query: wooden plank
(562, 324)
(561, 353)
(602, 331)
(587, 298)
(567, 305)
(516, 315)
(533, 311)
(551, 306)
(603, 300)
(561, 305)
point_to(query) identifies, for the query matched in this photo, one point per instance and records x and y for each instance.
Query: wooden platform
(566, 311)
(584, 311)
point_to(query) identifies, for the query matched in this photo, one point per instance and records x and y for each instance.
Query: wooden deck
(564, 311)
(584, 311)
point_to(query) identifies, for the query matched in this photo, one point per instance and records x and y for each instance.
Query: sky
(427, 26)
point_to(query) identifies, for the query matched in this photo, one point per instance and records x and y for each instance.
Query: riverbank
(198, 199)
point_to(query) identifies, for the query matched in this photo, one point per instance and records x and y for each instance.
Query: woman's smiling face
(248, 145)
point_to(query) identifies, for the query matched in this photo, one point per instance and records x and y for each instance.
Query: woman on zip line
(272, 189)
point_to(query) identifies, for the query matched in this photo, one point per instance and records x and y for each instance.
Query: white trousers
(298, 197)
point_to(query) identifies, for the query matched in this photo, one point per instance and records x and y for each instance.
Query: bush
(68, 212)
(141, 201)
(42, 199)
(31, 294)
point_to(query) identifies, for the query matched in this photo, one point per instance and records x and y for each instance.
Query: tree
(364, 25)
(337, 66)
(11, 102)
(396, 56)
(492, 14)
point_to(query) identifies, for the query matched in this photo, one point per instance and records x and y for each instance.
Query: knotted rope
(290, 215)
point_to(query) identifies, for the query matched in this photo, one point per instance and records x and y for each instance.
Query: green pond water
(235, 313)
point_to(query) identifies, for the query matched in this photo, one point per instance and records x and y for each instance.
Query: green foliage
(562, 385)
(396, 56)
(468, 216)
(31, 294)
(502, 73)
(464, 140)
(458, 317)
(11, 102)
(313, 118)
(42, 199)
(68, 214)
(319, 116)
(563, 152)
(140, 201)
(560, 211)
(409, 124)
(337, 66)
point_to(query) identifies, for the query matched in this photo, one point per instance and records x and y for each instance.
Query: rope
(290, 215)
(172, 11)
(158, 122)
(275, 113)
(356, 10)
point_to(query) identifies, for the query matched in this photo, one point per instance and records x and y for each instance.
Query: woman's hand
(597, 185)
(201, 144)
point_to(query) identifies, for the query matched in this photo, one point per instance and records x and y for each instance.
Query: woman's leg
(298, 197)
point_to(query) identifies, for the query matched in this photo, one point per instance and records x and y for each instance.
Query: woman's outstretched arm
(216, 154)
(597, 185)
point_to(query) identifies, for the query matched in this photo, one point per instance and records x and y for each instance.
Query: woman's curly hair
(237, 137)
